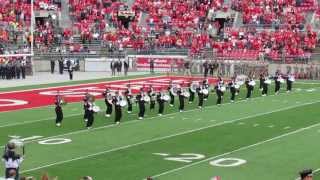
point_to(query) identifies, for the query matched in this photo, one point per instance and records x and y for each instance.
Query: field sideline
(237, 141)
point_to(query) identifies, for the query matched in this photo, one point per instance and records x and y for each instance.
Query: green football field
(263, 138)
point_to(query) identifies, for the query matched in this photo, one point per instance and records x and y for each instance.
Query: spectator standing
(61, 65)
(211, 68)
(151, 61)
(23, 67)
(187, 68)
(52, 65)
(113, 67)
(70, 69)
(18, 69)
(206, 68)
(126, 67)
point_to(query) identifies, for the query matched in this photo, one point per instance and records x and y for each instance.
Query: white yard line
(112, 125)
(46, 119)
(237, 150)
(39, 120)
(167, 137)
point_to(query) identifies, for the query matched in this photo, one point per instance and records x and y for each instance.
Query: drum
(223, 89)
(252, 83)
(96, 109)
(292, 79)
(194, 86)
(268, 81)
(123, 103)
(281, 80)
(166, 97)
(237, 86)
(205, 91)
(174, 90)
(186, 94)
(146, 98)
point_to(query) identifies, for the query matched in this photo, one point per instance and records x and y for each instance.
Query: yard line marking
(166, 137)
(161, 154)
(213, 120)
(211, 106)
(112, 125)
(256, 125)
(30, 122)
(241, 123)
(237, 150)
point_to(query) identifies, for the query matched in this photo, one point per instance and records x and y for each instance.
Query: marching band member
(161, 101)
(200, 95)
(191, 98)
(117, 107)
(129, 96)
(59, 113)
(233, 90)
(141, 102)
(152, 96)
(108, 101)
(265, 86)
(85, 106)
(181, 99)
(290, 80)
(250, 86)
(90, 112)
(220, 91)
(261, 80)
(170, 87)
(277, 79)
(206, 86)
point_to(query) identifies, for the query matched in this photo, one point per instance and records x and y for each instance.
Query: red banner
(160, 63)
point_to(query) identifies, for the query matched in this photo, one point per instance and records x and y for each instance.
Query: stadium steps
(66, 20)
(143, 20)
(95, 45)
(238, 20)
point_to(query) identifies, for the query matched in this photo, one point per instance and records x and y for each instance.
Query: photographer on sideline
(12, 161)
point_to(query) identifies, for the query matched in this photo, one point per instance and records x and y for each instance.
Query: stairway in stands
(65, 14)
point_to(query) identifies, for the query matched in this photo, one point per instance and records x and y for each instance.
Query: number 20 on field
(191, 157)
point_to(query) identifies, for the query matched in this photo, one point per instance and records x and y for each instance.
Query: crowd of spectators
(269, 12)
(169, 24)
(273, 44)
(15, 18)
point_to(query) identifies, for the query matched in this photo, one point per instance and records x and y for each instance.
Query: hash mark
(256, 125)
